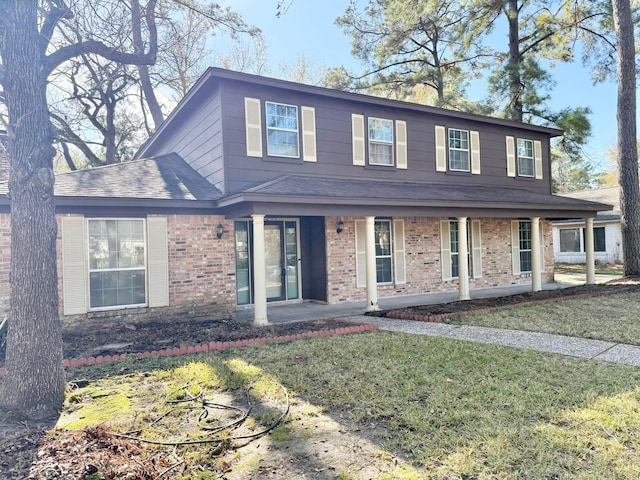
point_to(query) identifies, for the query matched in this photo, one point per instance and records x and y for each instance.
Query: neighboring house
(569, 237)
(258, 190)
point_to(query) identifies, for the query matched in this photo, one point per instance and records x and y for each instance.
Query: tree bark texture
(34, 382)
(627, 150)
(513, 69)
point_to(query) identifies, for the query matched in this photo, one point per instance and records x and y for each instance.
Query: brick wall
(423, 258)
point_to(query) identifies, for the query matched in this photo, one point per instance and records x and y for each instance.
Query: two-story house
(257, 190)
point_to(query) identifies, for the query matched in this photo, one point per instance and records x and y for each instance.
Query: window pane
(243, 279)
(282, 130)
(380, 154)
(383, 238)
(599, 241)
(458, 160)
(381, 130)
(380, 141)
(525, 261)
(113, 288)
(525, 158)
(570, 240)
(383, 270)
(524, 232)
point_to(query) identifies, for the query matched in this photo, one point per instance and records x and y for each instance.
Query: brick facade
(202, 267)
(423, 259)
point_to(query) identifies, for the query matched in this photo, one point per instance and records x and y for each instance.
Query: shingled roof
(167, 177)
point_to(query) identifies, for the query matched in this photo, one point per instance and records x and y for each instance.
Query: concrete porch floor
(305, 311)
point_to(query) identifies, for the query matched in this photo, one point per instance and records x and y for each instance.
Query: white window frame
(459, 149)
(520, 242)
(389, 256)
(279, 129)
(143, 269)
(582, 240)
(375, 141)
(520, 158)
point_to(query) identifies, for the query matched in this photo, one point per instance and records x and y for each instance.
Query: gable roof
(608, 195)
(214, 76)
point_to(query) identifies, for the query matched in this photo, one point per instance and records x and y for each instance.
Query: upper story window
(117, 268)
(282, 130)
(380, 141)
(458, 150)
(526, 166)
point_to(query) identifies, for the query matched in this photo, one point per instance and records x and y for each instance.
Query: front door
(281, 260)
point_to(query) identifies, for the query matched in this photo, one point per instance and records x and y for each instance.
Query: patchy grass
(613, 318)
(601, 268)
(395, 406)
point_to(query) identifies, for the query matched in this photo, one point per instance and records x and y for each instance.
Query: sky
(308, 27)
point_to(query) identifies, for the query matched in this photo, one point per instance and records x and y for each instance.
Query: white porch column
(463, 264)
(259, 273)
(370, 255)
(536, 274)
(589, 250)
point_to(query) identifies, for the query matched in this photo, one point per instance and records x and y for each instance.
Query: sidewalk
(542, 342)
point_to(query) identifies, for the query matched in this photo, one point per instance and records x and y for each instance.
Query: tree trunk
(513, 67)
(628, 154)
(34, 383)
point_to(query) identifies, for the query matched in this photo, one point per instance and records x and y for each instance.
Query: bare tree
(34, 382)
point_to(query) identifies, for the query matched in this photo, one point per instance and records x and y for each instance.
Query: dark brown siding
(333, 137)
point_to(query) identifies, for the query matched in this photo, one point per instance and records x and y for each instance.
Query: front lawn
(614, 318)
(380, 405)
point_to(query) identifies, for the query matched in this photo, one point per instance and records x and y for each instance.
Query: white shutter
(357, 129)
(511, 157)
(253, 127)
(445, 249)
(542, 245)
(476, 248)
(74, 265)
(515, 247)
(475, 152)
(157, 262)
(398, 252)
(361, 257)
(537, 155)
(401, 144)
(309, 134)
(441, 149)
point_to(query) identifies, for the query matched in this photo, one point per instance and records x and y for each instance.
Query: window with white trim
(525, 243)
(382, 236)
(117, 263)
(455, 245)
(526, 163)
(282, 130)
(459, 150)
(573, 240)
(380, 141)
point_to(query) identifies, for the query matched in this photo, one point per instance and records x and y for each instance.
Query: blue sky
(308, 27)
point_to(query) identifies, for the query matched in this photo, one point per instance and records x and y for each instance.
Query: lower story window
(573, 240)
(524, 238)
(455, 245)
(382, 229)
(117, 268)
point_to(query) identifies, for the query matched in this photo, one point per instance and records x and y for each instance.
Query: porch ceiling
(305, 195)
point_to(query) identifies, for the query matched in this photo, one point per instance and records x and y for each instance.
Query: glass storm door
(281, 261)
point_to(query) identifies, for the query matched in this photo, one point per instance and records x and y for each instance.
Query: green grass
(451, 409)
(614, 318)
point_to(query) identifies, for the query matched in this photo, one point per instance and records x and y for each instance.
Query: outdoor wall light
(340, 227)
(219, 231)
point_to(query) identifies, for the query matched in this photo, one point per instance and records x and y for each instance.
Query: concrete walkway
(543, 342)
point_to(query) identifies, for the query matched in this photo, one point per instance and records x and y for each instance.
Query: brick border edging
(400, 315)
(214, 346)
